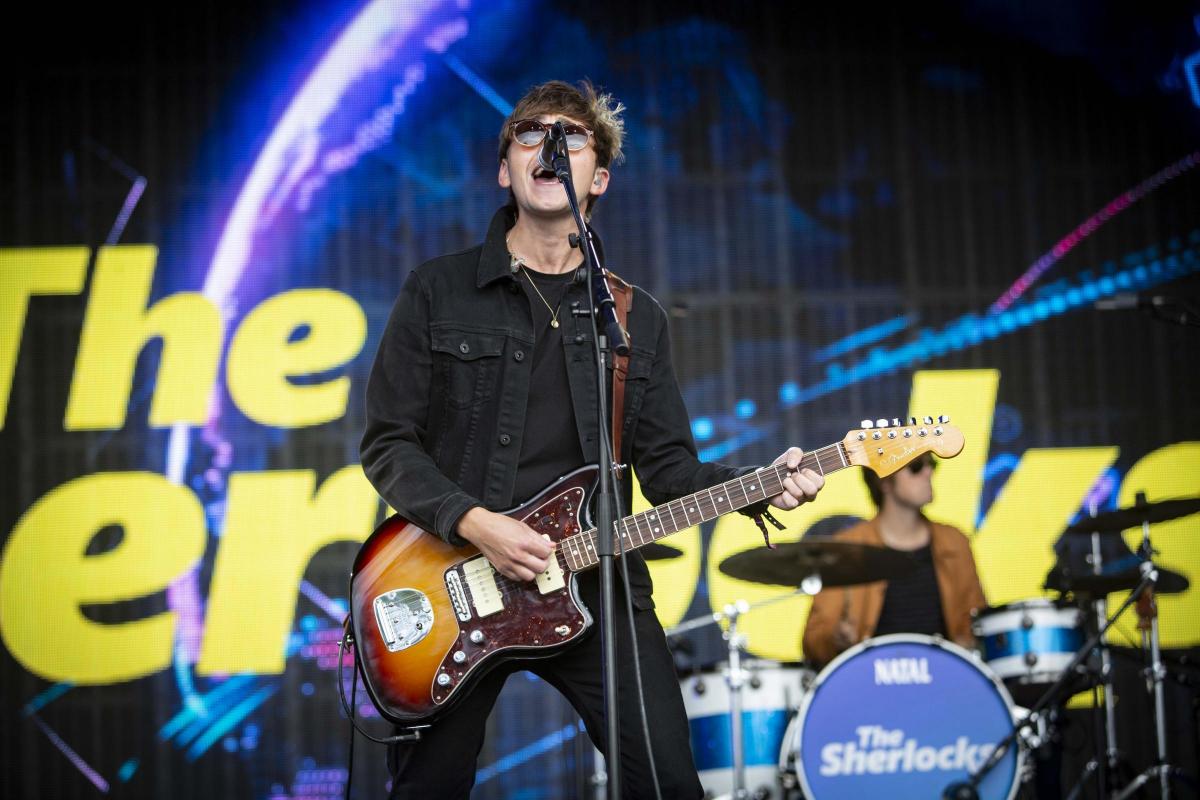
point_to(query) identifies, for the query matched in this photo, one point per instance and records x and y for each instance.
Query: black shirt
(549, 446)
(912, 603)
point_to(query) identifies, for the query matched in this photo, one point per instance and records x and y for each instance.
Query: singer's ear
(504, 179)
(599, 182)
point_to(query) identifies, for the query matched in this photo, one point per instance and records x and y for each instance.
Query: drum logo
(901, 671)
(879, 751)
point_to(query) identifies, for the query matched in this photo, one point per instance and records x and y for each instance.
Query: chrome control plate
(405, 617)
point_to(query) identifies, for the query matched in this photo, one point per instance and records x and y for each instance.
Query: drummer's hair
(874, 486)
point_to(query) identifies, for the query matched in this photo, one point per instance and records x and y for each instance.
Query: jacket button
(464, 348)
(505, 439)
(519, 355)
(579, 338)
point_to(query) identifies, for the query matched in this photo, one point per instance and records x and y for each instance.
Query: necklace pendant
(553, 323)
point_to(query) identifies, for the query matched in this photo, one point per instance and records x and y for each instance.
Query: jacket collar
(494, 261)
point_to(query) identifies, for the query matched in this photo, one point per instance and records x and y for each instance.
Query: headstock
(885, 446)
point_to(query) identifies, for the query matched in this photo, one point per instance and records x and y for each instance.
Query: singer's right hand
(514, 549)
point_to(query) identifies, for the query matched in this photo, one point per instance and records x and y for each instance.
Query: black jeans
(442, 764)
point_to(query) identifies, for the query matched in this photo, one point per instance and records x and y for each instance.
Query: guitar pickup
(458, 596)
(481, 580)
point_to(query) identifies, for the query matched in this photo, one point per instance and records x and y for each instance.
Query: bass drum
(901, 716)
(770, 696)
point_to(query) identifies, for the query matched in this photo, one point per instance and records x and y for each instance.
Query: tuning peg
(866, 424)
(943, 419)
(881, 423)
(912, 420)
(928, 420)
(896, 422)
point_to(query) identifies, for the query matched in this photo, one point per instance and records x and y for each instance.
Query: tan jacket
(958, 585)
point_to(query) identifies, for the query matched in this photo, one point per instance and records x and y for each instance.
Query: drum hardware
(968, 789)
(736, 677)
(1091, 587)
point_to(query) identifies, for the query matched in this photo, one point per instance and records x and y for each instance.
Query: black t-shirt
(550, 443)
(912, 603)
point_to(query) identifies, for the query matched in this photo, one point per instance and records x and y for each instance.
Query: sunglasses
(530, 133)
(918, 466)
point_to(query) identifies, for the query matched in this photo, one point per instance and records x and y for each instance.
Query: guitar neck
(677, 515)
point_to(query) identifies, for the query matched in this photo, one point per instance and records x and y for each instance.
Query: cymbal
(837, 563)
(1125, 579)
(1123, 518)
(654, 551)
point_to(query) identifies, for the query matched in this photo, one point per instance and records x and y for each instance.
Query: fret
(687, 512)
(629, 536)
(653, 523)
(755, 487)
(674, 525)
(639, 518)
(818, 460)
(742, 486)
(841, 451)
(683, 510)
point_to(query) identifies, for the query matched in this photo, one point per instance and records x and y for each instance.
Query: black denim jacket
(447, 395)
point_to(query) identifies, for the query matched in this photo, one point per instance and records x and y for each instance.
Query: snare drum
(770, 695)
(901, 716)
(1029, 642)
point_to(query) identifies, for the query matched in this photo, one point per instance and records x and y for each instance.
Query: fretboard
(662, 521)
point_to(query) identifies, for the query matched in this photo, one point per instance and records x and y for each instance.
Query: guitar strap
(622, 294)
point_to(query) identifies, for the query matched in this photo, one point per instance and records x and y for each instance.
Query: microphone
(1124, 300)
(553, 145)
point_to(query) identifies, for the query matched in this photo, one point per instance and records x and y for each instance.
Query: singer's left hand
(800, 486)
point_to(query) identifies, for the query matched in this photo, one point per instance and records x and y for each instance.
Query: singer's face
(538, 191)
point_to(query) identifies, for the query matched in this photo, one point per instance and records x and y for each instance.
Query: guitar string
(508, 587)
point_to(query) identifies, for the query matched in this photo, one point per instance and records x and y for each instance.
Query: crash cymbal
(837, 563)
(654, 551)
(1123, 518)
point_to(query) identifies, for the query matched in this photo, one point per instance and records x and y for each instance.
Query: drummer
(936, 598)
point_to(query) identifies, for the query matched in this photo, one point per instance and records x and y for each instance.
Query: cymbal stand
(736, 675)
(1157, 673)
(969, 789)
(1104, 768)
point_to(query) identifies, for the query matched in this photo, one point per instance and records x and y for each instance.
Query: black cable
(348, 639)
(350, 758)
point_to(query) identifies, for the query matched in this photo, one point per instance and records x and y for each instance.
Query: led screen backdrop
(849, 214)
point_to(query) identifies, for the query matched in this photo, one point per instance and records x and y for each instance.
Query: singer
(481, 395)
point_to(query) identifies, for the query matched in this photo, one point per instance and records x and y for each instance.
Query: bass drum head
(903, 716)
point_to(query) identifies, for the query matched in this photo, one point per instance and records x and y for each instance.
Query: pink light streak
(1089, 226)
(71, 755)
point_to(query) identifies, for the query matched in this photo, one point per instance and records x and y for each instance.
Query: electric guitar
(430, 619)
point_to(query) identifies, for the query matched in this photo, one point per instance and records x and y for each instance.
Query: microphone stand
(600, 303)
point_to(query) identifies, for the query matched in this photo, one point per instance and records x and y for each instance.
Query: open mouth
(543, 175)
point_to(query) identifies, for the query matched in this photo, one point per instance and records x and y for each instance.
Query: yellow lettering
(46, 576)
(1168, 473)
(674, 578)
(774, 631)
(23, 274)
(117, 327)
(274, 525)
(1014, 548)
(262, 359)
(968, 397)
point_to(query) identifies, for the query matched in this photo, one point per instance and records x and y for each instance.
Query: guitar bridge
(405, 617)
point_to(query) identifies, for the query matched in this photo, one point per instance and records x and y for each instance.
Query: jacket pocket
(467, 364)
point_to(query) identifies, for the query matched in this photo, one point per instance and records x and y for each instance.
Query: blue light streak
(864, 337)
(529, 751)
(231, 718)
(478, 84)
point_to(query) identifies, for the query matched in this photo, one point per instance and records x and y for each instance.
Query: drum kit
(908, 715)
